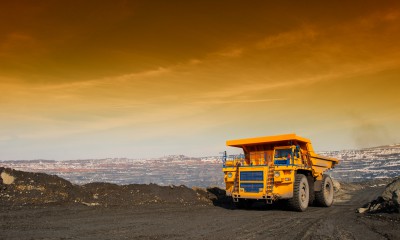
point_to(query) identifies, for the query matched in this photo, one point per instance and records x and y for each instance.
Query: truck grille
(251, 187)
(252, 176)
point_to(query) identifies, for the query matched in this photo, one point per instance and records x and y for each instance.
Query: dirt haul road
(200, 221)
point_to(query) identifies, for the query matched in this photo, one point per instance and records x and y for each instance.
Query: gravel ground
(85, 212)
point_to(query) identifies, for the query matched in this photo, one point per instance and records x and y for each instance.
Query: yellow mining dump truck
(278, 167)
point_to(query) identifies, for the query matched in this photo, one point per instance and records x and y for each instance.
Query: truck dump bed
(319, 163)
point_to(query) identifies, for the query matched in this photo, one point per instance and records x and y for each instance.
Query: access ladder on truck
(270, 185)
(236, 182)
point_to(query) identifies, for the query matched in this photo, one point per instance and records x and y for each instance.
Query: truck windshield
(283, 153)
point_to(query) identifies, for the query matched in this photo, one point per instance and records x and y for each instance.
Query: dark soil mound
(139, 194)
(25, 188)
(388, 202)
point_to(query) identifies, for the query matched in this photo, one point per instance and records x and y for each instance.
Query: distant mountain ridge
(355, 165)
(366, 163)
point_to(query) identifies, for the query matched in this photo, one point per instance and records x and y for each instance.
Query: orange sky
(93, 79)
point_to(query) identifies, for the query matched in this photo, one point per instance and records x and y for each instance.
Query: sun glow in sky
(95, 79)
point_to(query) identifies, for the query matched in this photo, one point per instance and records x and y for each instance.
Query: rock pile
(25, 188)
(388, 202)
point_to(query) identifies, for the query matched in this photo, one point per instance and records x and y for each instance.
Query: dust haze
(368, 133)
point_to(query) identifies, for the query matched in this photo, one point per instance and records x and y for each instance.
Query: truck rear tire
(324, 198)
(301, 192)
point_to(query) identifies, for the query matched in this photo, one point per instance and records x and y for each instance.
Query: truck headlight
(277, 174)
(229, 175)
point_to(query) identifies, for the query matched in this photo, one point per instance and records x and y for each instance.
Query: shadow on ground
(220, 199)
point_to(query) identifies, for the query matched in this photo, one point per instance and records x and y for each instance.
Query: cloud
(304, 33)
(387, 16)
(16, 40)
(113, 80)
(232, 101)
(230, 53)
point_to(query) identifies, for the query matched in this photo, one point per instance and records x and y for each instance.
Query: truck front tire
(301, 194)
(324, 198)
